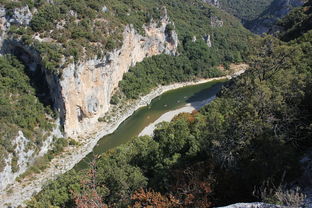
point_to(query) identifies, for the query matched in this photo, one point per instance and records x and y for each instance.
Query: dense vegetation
(20, 109)
(258, 13)
(67, 31)
(246, 142)
(80, 30)
(244, 9)
(296, 23)
(196, 60)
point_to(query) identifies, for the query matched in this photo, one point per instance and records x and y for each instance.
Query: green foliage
(245, 9)
(42, 163)
(258, 12)
(80, 30)
(20, 109)
(46, 18)
(58, 193)
(255, 131)
(297, 22)
(196, 61)
(23, 109)
(14, 165)
(52, 54)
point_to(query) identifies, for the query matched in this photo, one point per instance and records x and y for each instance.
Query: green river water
(144, 116)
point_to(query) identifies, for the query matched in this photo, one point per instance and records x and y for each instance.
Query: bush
(46, 18)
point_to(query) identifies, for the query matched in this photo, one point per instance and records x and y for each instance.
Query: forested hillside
(244, 9)
(296, 23)
(63, 32)
(67, 31)
(198, 57)
(244, 146)
(20, 108)
(259, 16)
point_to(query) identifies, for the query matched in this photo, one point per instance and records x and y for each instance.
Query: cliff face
(22, 155)
(86, 88)
(81, 94)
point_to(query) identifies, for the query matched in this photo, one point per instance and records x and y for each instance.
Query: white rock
(89, 85)
(252, 205)
(21, 16)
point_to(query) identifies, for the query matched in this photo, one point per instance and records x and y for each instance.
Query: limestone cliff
(253, 205)
(215, 3)
(81, 93)
(23, 155)
(86, 88)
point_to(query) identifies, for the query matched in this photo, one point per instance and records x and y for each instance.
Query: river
(169, 101)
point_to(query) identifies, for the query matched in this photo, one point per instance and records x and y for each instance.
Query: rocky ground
(252, 205)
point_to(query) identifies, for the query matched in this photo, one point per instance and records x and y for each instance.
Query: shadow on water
(206, 94)
(144, 116)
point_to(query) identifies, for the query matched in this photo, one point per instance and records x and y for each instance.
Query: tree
(88, 196)
(152, 199)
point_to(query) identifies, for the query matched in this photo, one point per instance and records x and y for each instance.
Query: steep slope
(259, 16)
(21, 114)
(69, 48)
(80, 50)
(244, 146)
(266, 21)
(298, 22)
(92, 80)
(244, 9)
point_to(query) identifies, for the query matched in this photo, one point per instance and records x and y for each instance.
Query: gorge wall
(81, 93)
(87, 87)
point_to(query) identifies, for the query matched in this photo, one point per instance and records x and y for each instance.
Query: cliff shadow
(33, 69)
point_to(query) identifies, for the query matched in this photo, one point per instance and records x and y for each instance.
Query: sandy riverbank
(19, 192)
(188, 108)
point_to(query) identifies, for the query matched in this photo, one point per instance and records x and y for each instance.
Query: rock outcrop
(23, 155)
(215, 3)
(207, 39)
(25, 151)
(86, 88)
(216, 21)
(253, 205)
(19, 16)
(3, 25)
(81, 93)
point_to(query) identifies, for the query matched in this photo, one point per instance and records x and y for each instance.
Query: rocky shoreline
(19, 192)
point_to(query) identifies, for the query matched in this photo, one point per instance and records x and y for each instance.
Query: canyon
(81, 93)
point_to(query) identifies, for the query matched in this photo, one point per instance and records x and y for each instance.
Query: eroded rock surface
(87, 87)
(252, 205)
(81, 93)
